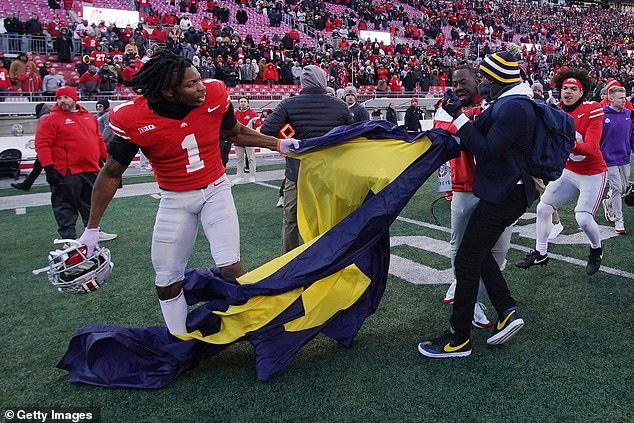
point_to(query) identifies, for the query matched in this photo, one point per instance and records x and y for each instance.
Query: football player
(584, 174)
(176, 122)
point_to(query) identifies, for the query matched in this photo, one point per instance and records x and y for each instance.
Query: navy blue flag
(352, 184)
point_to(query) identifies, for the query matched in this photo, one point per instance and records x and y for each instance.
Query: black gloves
(451, 103)
(53, 177)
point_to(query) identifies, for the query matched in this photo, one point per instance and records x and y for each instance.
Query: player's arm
(243, 136)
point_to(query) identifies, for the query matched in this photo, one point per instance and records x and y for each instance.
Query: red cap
(67, 91)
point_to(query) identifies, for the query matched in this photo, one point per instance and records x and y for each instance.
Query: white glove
(287, 144)
(89, 238)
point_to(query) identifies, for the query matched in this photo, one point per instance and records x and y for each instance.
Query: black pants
(71, 198)
(35, 172)
(474, 259)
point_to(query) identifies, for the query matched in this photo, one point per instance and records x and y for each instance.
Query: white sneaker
(451, 292)
(619, 227)
(103, 236)
(280, 202)
(252, 179)
(480, 319)
(236, 181)
(555, 230)
(607, 210)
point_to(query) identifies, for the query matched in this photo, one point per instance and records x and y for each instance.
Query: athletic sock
(175, 313)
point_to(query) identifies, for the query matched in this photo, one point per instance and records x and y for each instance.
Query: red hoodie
(463, 167)
(70, 141)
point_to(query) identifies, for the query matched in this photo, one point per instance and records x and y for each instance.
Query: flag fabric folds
(352, 184)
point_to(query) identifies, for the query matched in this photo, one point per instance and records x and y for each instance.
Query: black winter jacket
(312, 113)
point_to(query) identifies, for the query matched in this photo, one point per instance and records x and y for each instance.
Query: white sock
(544, 226)
(175, 314)
(590, 228)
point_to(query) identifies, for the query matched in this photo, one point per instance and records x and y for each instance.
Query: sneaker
(606, 210)
(619, 227)
(532, 259)
(280, 202)
(451, 292)
(480, 319)
(236, 181)
(555, 231)
(594, 260)
(508, 324)
(21, 186)
(252, 179)
(103, 236)
(446, 346)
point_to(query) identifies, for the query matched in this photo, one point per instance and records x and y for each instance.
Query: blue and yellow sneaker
(446, 346)
(508, 324)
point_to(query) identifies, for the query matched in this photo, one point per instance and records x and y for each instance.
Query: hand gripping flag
(352, 184)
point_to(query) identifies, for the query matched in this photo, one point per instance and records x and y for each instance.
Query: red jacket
(463, 166)
(70, 141)
(270, 72)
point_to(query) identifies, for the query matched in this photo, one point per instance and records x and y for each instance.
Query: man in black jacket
(312, 113)
(413, 116)
(501, 141)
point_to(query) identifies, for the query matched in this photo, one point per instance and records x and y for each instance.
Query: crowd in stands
(431, 38)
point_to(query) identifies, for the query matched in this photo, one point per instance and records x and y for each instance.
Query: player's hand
(53, 177)
(89, 238)
(451, 103)
(287, 144)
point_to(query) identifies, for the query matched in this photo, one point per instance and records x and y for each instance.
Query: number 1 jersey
(185, 154)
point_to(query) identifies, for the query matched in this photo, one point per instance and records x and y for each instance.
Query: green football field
(571, 363)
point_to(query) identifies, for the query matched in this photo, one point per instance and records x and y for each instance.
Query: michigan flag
(352, 184)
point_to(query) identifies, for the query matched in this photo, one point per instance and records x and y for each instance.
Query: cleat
(21, 186)
(280, 202)
(619, 227)
(446, 346)
(508, 324)
(555, 231)
(532, 259)
(480, 319)
(594, 260)
(450, 293)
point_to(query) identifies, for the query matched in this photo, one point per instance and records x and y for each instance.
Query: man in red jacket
(69, 146)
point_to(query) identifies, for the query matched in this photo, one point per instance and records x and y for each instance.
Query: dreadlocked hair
(580, 74)
(165, 70)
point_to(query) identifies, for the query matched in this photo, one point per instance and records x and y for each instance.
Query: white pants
(462, 206)
(590, 190)
(176, 228)
(617, 179)
(250, 153)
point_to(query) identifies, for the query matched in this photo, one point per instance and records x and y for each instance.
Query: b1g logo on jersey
(146, 128)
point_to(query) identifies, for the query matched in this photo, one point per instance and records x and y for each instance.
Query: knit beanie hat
(67, 91)
(105, 103)
(501, 67)
(537, 87)
(611, 82)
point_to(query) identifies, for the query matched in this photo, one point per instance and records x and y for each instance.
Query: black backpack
(553, 138)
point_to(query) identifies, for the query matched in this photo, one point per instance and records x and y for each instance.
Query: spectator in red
(611, 82)
(152, 19)
(125, 35)
(30, 81)
(382, 73)
(98, 56)
(54, 27)
(344, 44)
(442, 80)
(205, 24)
(90, 82)
(130, 71)
(68, 4)
(5, 81)
(168, 19)
(144, 7)
(270, 75)
(159, 35)
(395, 84)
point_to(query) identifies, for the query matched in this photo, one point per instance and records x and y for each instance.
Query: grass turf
(571, 362)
